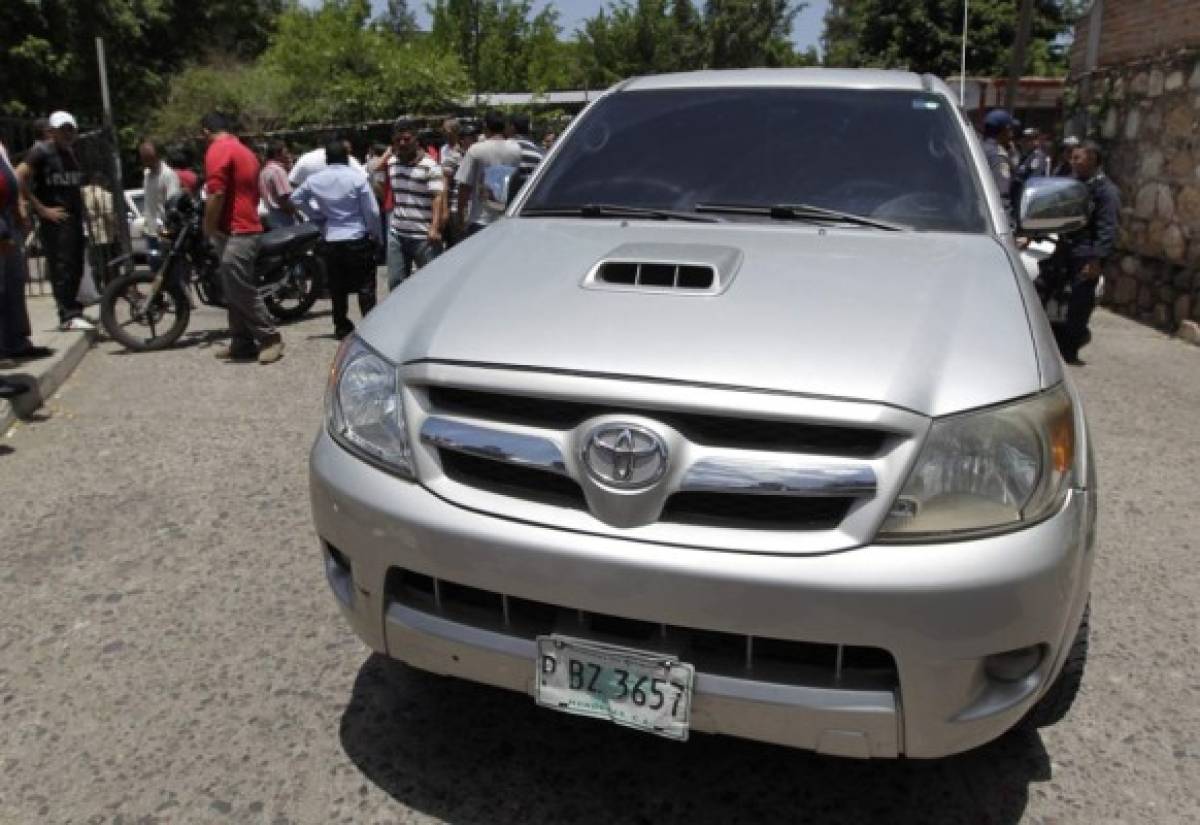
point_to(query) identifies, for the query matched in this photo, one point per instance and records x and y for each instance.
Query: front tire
(297, 291)
(1057, 701)
(129, 317)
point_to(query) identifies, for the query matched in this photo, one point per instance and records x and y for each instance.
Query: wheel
(138, 324)
(1055, 703)
(295, 293)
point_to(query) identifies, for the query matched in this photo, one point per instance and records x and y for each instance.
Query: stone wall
(1133, 29)
(1147, 116)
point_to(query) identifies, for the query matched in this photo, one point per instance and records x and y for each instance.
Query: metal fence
(109, 219)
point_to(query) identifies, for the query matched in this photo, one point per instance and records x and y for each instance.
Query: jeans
(64, 247)
(250, 324)
(277, 219)
(407, 253)
(350, 268)
(14, 316)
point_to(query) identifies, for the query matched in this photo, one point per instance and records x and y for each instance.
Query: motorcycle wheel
(297, 290)
(130, 318)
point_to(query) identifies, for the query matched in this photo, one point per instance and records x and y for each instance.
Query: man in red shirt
(231, 223)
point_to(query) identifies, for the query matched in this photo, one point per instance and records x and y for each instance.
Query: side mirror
(1050, 205)
(499, 186)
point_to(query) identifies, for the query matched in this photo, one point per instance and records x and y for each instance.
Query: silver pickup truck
(745, 420)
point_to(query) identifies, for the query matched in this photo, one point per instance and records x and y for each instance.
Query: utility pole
(117, 187)
(962, 65)
(1024, 24)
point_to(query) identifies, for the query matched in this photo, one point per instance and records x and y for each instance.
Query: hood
(933, 323)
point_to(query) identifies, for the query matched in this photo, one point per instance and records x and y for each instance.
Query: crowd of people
(1078, 259)
(402, 205)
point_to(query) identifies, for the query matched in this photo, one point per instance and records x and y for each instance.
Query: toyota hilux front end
(779, 447)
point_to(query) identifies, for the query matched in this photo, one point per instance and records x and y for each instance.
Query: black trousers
(1073, 334)
(350, 268)
(64, 249)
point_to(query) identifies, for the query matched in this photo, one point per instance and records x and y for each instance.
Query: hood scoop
(678, 269)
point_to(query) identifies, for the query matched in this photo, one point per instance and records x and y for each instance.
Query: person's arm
(370, 210)
(213, 208)
(464, 178)
(384, 172)
(300, 200)
(280, 190)
(25, 172)
(438, 208)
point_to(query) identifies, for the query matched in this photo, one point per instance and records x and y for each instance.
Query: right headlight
(363, 408)
(989, 470)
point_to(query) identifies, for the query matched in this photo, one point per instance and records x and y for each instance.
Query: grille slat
(705, 429)
(754, 657)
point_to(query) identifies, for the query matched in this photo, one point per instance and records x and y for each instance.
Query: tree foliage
(48, 52)
(636, 37)
(322, 66)
(926, 35)
(504, 46)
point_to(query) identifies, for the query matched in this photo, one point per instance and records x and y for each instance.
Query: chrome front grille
(740, 470)
(781, 661)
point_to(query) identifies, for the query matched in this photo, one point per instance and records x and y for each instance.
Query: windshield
(894, 156)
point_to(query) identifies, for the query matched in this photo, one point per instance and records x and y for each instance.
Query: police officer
(1087, 249)
(997, 148)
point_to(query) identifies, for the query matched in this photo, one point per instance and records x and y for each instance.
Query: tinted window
(896, 156)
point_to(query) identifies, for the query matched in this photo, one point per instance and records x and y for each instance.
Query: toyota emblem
(626, 456)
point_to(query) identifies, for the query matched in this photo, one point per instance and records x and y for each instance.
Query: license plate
(636, 688)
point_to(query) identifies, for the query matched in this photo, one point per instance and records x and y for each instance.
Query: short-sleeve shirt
(230, 167)
(414, 188)
(57, 178)
(478, 159)
(273, 183)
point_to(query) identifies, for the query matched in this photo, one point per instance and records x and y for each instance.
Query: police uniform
(1000, 162)
(1095, 242)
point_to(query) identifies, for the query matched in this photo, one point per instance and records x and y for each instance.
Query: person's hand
(54, 214)
(1023, 243)
(435, 234)
(1091, 270)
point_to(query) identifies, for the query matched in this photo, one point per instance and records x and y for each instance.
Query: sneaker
(80, 324)
(271, 353)
(225, 352)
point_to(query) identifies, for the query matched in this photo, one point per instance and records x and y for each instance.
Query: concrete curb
(44, 376)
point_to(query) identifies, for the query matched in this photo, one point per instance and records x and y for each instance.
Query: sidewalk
(45, 375)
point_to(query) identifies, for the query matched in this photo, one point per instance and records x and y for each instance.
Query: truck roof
(786, 78)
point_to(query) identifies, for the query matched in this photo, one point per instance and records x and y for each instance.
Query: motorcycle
(146, 310)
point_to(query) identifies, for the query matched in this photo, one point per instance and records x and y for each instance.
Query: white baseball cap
(60, 119)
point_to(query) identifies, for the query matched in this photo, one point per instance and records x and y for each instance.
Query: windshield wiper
(614, 210)
(797, 212)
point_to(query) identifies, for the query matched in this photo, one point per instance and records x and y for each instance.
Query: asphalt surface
(169, 651)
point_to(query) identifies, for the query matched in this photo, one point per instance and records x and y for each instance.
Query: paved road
(169, 653)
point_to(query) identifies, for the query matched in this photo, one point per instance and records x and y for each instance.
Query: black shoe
(339, 334)
(1075, 362)
(29, 353)
(8, 389)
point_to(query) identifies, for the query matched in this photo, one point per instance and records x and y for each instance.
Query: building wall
(1147, 114)
(1143, 104)
(1133, 29)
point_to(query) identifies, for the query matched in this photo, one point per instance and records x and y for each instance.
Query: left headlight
(363, 408)
(989, 470)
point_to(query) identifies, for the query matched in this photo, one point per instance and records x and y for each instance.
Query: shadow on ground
(470, 754)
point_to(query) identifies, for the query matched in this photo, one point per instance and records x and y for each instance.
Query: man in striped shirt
(531, 153)
(418, 205)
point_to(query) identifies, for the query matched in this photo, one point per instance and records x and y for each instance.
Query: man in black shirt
(51, 180)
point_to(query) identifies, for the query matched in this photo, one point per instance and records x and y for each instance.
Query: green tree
(926, 35)
(750, 32)
(323, 66)
(399, 19)
(48, 53)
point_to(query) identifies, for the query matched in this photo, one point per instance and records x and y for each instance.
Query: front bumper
(938, 609)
